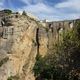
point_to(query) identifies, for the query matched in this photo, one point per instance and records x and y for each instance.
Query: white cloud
(38, 8)
(54, 12)
(72, 4)
(41, 10)
(69, 9)
(28, 2)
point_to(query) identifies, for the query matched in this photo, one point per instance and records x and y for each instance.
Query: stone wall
(56, 28)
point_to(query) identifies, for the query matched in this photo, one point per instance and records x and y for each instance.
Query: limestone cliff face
(18, 49)
(43, 41)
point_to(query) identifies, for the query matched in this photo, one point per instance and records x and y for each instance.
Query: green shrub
(7, 11)
(64, 62)
(24, 13)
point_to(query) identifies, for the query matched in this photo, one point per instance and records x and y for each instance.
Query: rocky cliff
(21, 39)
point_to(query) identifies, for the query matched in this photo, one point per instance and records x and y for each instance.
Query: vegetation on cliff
(7, 11)
(24, 13)
(3, 61)
(63, 62)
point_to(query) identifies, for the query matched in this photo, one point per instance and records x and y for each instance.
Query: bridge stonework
(57, 30)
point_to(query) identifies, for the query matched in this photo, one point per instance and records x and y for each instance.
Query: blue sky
(45, 9)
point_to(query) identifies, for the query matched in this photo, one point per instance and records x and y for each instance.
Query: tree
(7, 11)
(24, 13)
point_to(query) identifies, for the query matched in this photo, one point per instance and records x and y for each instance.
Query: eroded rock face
(43, 41)
(18, 44)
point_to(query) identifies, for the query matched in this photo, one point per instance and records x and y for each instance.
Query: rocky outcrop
(18, 44)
